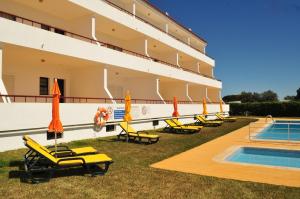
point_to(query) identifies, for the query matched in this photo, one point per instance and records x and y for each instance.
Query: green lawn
(131, 177)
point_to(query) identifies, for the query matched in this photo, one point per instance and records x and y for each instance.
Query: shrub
(276, 109)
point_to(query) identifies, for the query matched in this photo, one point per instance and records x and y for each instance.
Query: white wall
(14, 33)
(35, 115)
(168, 90)
(114, 14)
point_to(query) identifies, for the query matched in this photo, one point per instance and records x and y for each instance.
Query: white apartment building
(98, 50)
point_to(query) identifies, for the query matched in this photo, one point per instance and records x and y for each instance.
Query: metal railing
(156, 27)
(92, 41)
(65, 99)
(274, 131)
(42, 130)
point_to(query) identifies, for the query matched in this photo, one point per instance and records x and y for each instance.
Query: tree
(268, 96)
(247, 97)
(297, 97)
(231, 98)
(289, 97)
(244, 97)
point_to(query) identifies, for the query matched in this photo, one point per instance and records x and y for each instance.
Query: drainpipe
(189, 41)
(105, 87)
(198, 67)
(146, 48)
(187, 92)
(133, 9)
(157, 91)
(94, 30)
(177, 60)
(3, 90)
(167, 28)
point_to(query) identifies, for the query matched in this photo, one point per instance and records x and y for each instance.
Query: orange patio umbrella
(221, 105)
(175, 113)
(55, 125)
(204, 107)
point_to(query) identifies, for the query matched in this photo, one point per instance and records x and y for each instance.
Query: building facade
(98, 50)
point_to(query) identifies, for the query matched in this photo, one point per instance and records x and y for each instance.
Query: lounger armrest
(142, 132)
(64, 147)
(68, 159)
(61, 151)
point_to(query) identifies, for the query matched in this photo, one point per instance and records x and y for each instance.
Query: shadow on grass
(131, 141)
(46, 175)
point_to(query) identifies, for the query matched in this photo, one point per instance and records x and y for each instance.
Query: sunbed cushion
(174, 126)
(83, 150)
(205, 121)
(177, 122)
(128, 128)
(77, 151)
(89, 159)
(225, 118)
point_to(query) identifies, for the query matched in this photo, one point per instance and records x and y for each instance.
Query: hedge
(276, 109)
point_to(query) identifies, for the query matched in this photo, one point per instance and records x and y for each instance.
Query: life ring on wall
(101, 117)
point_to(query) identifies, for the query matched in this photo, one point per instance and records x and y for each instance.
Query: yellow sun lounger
(202, 120)
(37, 160)
(178, 123)
(136, 135)
(173, 128)
(62, 150)
(225, 119)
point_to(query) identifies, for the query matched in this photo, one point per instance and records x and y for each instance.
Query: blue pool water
(263, 156)
(279, 131)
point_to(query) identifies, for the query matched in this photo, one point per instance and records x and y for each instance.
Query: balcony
(142, 16)
(92, 41)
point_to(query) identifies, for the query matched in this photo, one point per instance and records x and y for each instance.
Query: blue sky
(256, 44)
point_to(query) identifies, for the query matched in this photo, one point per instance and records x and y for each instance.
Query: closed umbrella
(204, 107)
(175, 112)
(221, 105)
(55, 125)
(127, 115)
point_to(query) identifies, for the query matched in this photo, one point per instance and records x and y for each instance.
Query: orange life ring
(101, 117)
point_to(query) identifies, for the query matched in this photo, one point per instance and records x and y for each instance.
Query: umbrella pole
(127, 138)
(55, 144)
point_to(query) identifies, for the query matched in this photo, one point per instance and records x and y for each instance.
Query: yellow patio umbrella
(204, 106)
(221, 105)
(175, 113)
(127, 116)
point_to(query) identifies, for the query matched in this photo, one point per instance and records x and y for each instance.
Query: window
(44, 86)
(59, 31)
(155, 122)
(110, 128)
(45, 27)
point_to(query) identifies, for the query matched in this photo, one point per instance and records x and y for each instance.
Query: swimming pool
(281, 130)
(266, 156)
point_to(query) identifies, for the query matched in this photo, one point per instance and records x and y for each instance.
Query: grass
(131, 177)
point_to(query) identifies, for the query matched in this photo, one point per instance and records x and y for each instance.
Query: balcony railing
(151, 24)
(90, 40)
(48, 99)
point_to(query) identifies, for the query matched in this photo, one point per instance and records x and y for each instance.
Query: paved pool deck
(208, 159)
